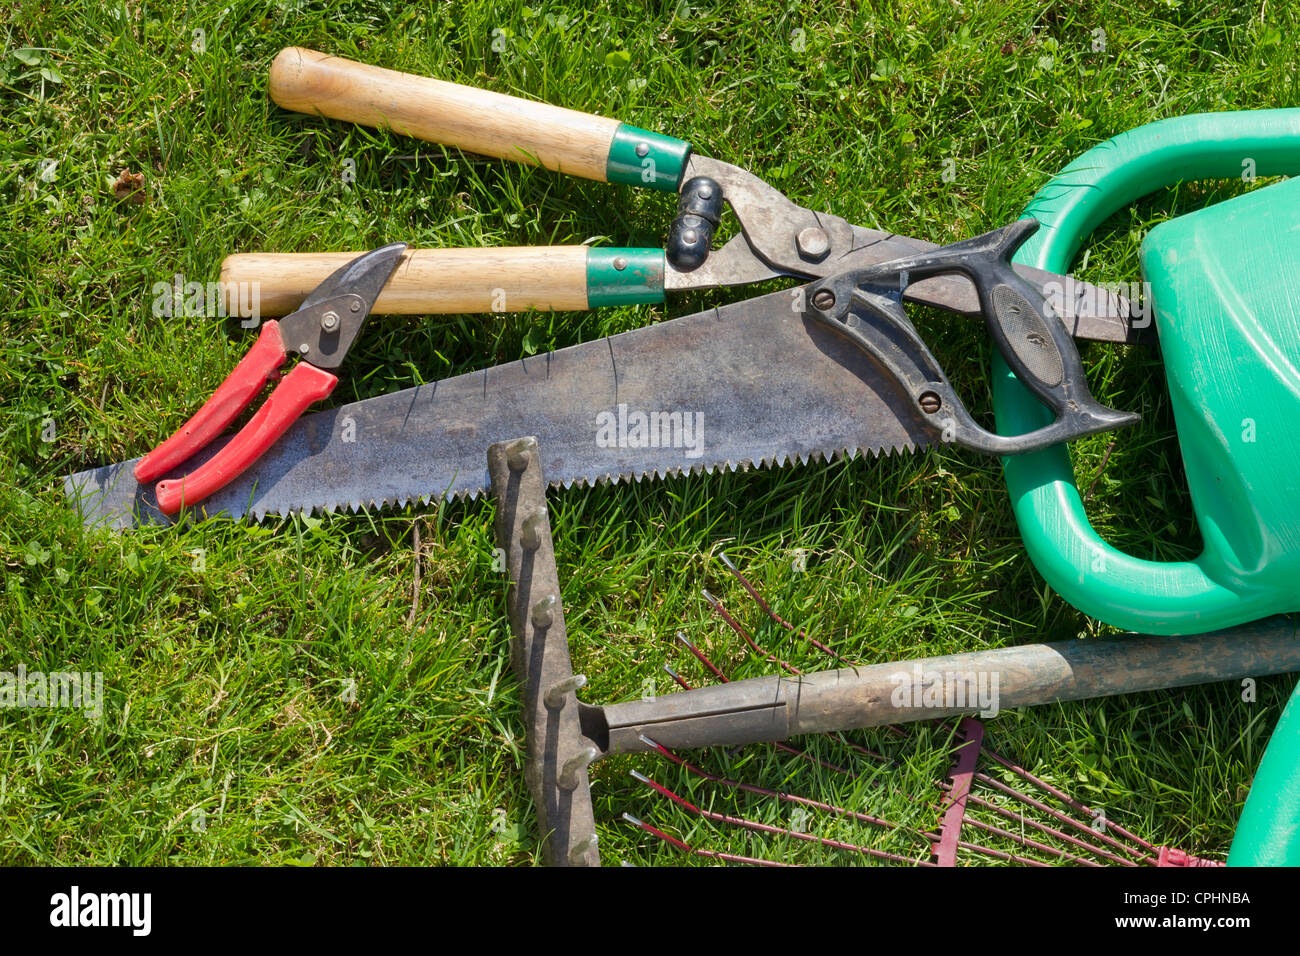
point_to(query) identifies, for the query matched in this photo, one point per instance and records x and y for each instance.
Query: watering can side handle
(1127, 592)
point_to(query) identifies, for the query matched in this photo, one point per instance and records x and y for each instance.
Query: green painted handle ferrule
(624, 276)
(641, 158)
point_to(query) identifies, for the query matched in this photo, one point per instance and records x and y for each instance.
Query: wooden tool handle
(475, 120)
(426, 282)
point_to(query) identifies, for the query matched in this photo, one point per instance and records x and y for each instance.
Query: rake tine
(677, 678)
(1032, 844)
(826, 764)
(1046, 830)
(1069, 801)
(759, 827)
(711, 854)
(735, 626)
(1038, 805)
(699, 654)
(972, 730)
(774, 794)
(767, 609)
(1001, 854)
(717, 606)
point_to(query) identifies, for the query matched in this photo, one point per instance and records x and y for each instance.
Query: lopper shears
(777, 237)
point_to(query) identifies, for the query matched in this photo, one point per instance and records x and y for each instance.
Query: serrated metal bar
(557, 747)
(970, 733)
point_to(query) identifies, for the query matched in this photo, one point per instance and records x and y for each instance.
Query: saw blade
(746, 385)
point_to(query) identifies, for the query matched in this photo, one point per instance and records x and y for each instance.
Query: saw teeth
(656, 473)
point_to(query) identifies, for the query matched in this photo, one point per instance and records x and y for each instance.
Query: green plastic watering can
(1225, 284)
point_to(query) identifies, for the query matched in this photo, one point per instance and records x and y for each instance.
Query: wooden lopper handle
(475, 120)
(450, 281)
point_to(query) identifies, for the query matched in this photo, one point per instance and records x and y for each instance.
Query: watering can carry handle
(1127, 592)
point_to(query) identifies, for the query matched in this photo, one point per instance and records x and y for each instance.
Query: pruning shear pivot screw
(323, 338)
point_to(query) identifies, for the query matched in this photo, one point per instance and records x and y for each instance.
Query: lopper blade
(749, 384)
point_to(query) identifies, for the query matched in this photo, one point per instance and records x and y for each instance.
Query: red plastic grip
(235, 394)
(303, 385)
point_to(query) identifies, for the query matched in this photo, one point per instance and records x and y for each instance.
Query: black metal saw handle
(865, 305)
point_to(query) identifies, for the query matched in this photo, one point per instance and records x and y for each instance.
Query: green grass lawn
(287, 692)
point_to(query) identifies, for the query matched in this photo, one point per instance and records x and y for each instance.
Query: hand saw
(832, 369)
(755, 383)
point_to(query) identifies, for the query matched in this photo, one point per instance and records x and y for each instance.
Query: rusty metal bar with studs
(565, 736)
(558, 750)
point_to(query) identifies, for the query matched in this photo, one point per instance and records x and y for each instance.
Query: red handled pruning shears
(320, 333)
